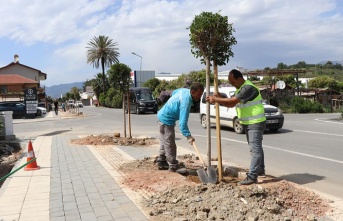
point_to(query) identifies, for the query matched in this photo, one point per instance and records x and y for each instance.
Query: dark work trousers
(167, 144)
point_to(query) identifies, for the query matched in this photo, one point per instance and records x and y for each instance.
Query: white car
(78, 104)
(71, 104)
(228, 116)
(41, 111)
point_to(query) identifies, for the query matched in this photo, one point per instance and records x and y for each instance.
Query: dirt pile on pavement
(113, 140)
(281, 201)
(172, 196)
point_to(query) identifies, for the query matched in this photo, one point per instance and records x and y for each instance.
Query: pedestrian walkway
(79, 182)
(71, 184)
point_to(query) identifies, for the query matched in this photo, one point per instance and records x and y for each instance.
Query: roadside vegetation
(162, 89)
(212, 45)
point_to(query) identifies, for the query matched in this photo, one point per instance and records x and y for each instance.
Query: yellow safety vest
(251, 112)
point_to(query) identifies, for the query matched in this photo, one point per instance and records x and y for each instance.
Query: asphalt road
(307, 150)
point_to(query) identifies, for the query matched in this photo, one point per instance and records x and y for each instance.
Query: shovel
(206, 177)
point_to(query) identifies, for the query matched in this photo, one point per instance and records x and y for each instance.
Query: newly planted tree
(211, 40)
(119, 78)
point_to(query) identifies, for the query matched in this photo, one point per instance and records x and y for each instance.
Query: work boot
(162, 165)
(181, 171)
(262, 173)
(247, 181)
(173, 167)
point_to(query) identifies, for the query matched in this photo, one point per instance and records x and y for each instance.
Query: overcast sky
(52, 36)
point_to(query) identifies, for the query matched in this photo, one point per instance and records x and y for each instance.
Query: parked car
(41, 111)
(18, 108)
(71, 103)
(141, 101)
(228, 116)
(78, 104)
(41, 104)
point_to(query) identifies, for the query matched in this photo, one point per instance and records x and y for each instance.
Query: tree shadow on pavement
(302, 178)
(55, 133)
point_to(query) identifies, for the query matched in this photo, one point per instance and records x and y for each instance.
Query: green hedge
(300, 105)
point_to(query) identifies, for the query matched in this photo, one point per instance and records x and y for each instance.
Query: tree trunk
(208, 129)
(218, 132)
(129, 112)
(103, 75)
(124, 114)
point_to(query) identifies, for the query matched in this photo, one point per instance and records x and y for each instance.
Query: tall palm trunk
(103, 75)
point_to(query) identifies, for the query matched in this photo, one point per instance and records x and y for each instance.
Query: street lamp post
(141, 60)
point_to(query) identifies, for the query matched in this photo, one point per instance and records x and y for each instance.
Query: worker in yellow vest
(250, 111)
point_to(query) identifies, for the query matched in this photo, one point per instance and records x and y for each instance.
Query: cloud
(52, 36)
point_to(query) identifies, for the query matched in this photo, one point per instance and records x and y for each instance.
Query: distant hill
(55, 91)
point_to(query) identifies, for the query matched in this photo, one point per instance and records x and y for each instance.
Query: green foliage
(186, 80)
(200, 77)
(102, 99)
(211, 37)
(285, 103)
(97, 84)
(300, 105)
(114, 98)
(152, 83)
(163, 86)
(102, 51)
(119, 77)
(181, 81)
(288, 79)
(325, 82)
(73, 94)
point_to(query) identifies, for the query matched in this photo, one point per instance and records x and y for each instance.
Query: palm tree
(102, 51)
(97, 84)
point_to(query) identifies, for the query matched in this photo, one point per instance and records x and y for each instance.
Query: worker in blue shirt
(177, 108)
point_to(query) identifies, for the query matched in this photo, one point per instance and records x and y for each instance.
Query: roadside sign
(31, 102)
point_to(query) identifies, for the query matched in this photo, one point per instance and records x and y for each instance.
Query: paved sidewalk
(72, 184)
(79, 182)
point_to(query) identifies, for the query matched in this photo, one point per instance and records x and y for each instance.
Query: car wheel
(237, 126)
(204, 121)
(137, 110)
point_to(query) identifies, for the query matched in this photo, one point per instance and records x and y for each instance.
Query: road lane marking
(283, 150)
(327, 121)
(304, 154)
(312, 132)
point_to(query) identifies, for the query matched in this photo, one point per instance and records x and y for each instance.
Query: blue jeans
(254, 134)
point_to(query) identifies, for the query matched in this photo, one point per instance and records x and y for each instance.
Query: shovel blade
(202, 176)
(212, 174)
(208, 177)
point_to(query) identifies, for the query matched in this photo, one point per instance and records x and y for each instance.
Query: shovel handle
(200, 157)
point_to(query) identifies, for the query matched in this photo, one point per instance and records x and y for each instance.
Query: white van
(228, 116)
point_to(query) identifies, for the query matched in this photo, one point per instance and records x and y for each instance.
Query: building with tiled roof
(15, 78)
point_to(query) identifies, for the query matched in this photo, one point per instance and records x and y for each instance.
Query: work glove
(190, 139)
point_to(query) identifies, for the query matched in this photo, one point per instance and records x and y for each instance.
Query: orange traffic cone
(30, 156)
